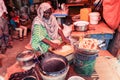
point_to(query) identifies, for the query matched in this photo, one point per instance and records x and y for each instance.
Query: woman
(45, 29)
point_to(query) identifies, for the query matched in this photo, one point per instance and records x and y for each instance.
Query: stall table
(100, 32)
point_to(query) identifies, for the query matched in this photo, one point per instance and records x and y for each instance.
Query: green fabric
(39, 33)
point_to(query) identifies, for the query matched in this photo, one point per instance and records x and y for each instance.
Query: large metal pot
(53, 66)
(81, 25)
(26, 59)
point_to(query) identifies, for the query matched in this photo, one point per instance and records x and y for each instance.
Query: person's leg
(8, 41)
(20, 32)
(25, 30)
(0, 62)
(2, 45)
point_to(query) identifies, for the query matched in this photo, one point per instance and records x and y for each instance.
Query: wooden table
(100, 31)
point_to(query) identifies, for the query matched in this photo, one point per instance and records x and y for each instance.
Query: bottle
(84, 14)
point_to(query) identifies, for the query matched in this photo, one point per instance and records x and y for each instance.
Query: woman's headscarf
(50, 24)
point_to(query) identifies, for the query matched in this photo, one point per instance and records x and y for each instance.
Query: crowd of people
(13, 26)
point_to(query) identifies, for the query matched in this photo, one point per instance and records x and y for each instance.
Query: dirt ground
(9, 58)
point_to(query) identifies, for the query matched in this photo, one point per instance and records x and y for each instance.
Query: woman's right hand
(55, 46)
(52, 44)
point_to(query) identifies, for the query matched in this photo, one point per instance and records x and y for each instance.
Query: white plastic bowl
(76, 78)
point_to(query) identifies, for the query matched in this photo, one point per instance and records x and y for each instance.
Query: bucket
(84, 63)
(94, 17)
(53, 67)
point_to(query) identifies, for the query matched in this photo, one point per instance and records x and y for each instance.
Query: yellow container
(84, 14)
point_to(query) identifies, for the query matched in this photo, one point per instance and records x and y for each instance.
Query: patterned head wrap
(50, 24)
(43, 7)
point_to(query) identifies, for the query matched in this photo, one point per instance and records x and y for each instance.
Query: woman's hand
(52, 44)
(55, 46)
(64, 39)
(67, 41)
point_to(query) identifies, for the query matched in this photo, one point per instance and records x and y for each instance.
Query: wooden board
(63, 53)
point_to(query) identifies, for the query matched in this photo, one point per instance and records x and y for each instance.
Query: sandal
(25, 37)
(3, 51)
(21, 39)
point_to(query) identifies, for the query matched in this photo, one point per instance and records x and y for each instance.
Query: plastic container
(84, 14)
(94, 17)
(84, 63)
(76, 78)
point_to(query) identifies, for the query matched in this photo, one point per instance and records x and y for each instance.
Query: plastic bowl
(76, 78)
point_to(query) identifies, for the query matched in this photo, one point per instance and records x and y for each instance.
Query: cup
(94, 17)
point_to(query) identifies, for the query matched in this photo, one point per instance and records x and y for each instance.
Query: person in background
(3, 8)
(30, 2)
(25, 20)
(14, 21)
(45, 30)
(57, 3)
(4, 32)
(111, 15)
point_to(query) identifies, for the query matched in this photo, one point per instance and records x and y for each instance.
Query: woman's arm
(63, 37)
(53, 45)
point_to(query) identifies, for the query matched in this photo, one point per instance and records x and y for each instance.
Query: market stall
(85, 57)
(100, 31)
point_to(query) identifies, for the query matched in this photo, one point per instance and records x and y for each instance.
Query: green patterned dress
(39, 33)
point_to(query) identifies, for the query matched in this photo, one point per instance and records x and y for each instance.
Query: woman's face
(47, 13)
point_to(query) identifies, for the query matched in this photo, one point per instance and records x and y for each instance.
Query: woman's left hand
(67, 41)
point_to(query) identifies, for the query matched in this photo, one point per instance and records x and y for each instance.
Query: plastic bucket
(54, 67)
(84, 63)
(94, 17)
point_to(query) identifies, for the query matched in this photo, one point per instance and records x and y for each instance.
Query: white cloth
(2, 8)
